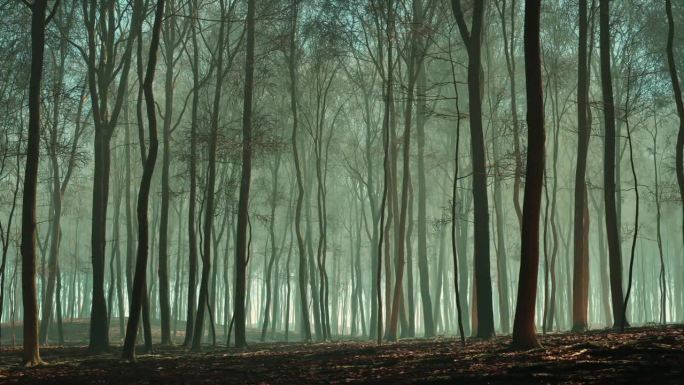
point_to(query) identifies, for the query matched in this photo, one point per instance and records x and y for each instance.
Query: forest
(341, 191)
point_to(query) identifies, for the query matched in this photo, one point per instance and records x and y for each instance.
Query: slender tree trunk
(139, 289)
(192, 233)
(524, 335)
(483, 286)
(614, 253)
(677, 91)
(402, 245)
(509, 48)
(579, 303)
(274, 250)
(302, 271)
(243, 204)
(31, 352)
(203, 299)
(163, 269)
(386, 166)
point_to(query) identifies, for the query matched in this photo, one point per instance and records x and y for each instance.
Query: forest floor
(639, 355)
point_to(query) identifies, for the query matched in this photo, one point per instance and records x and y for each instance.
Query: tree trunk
(139, 285)
(302, 271)
(579, 300)
(483, 280)
(31, 352)
(677, 91)
(192, 233)
(243, 203)
(524, 335)
(614, 252)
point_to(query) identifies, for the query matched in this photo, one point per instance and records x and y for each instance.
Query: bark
(524, 335)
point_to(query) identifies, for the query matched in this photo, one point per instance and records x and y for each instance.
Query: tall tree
(421, 107)
(139, 278)
(243, 203)
(524, 335)
(172, 38)
(580, 295)
(59, 181)
(103, 31)
(388, 96)
(614, 253)
(302, 270)
(677, 91)
(31, 352)
(483, 283)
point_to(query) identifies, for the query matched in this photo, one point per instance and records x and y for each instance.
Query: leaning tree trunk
(524, 335)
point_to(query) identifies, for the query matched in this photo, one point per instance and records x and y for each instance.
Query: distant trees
(344, 147)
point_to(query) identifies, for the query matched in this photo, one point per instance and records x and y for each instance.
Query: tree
(580, 295)
(143, 195)
(243, 203)
(423, 266)
(614, 253)
(102, 30)
(302, 271)
(677, 91)
(59, 181)
(388, 94)
(524, 335)
(483, 281)
(31, 352)
(172, 38)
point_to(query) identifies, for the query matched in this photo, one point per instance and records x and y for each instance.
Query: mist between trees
(211, 172)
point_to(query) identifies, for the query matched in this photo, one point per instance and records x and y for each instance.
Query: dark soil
(653, 355)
